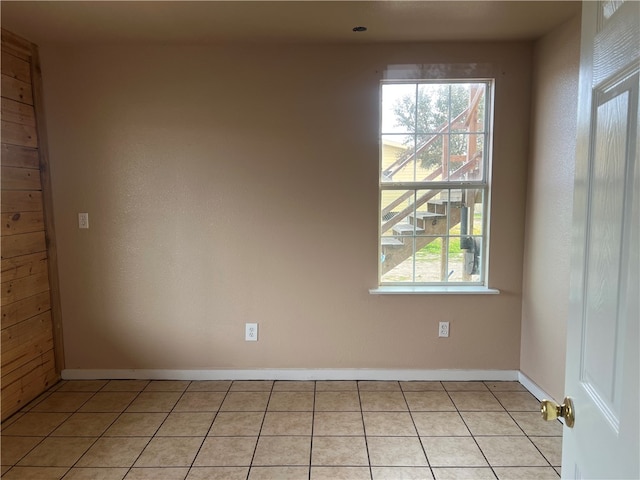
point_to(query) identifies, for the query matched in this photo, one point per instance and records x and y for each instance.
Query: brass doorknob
(550, 410)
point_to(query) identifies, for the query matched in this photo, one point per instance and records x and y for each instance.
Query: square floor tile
(396, 451)
(389, 424)
(34, 424)
(136, 425)
(291, 401)
(14, 448)
(82, 386)
(282, 451)
(339, 451)
(209, 386)
(113, 452)
(186, 424)
(511, 452)
(226, 452)
(378, 386)
(338, 423)
(167, 386)
(57, 452)
(218, 473)
(518, 401)
(420, 386)
(466, 473)
(125, 386)
(200, 402)
(505, 386)
(491, 423)
(382, 401)
(453, 452)
(85, 425)
(96, 473)
(108, 402)
(287, 423)
(62, 402)
(245, 401)
(35, 473)
(237, 424)
(465, 386)
(526, 473)
(340, 473)
(344, 401)
(252, 386)
(279, 473)
(336, 386)
(533, 424)
(475, 401)
(170, 452)
(404, 473)
(429, 401)
(439, 424)
(157, 473)
(551, 448)
(154, 402)
(294, 386)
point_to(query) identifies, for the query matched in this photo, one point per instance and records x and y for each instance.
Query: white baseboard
(533, 388)
(293, 374)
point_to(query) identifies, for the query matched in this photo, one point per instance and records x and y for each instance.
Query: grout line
(313, 421)
(364, 429)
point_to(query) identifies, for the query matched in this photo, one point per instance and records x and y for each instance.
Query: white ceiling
(46, 22)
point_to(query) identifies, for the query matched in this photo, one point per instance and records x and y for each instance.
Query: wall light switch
(83, 220)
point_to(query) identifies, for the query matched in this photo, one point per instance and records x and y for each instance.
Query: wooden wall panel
(31, 341)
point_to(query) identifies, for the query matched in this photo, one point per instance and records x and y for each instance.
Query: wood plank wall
(31, 342)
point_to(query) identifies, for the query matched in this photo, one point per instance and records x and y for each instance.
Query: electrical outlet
(83, 220)
(443, 329)
(251, 332)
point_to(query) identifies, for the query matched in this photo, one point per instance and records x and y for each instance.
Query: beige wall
(549, 207)
(202, 169)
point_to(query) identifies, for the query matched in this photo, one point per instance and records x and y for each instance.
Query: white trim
(533, 388)
(433, 290)
(293, 374)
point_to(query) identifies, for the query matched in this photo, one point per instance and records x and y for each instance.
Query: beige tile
(11, 420)
(453, 452)
(209, 386)
(419, 386)
(291, 401)
(136, 425)
(37, 401)
(167, 386)
(125, 386)
(510, 452)
(439, 424)
(186, 424)
(34, 424)
(226, 452)
(551, 448)
(282, 451)
(378, 386)
(4, 469)
(113, 452)
(57, 452)
(85, 425)
(287, 423)
(401, 473)
(14, 448)
(526, 473)
(518, 401)
(237, 424)
(467, 473)
(559, 470)
(218, 473)
(62, 402)
(388, 424)
(164, 473)
(294, 386)
(82, 386)
(199, 402)
(382, 401)
(429, 401)
(464, 386)
(170, 452)
(279, 473)
(337, 401)
(533, 424)
(338, 423)
(109, 402)
(475, 401)
(252, 386)
(154, 402)
(336, 386)
(245, 401)
(96, 474)
(505, 386)
(339, 451)
(35, 473)
(491, 423)
(396, 452)
(340, 473)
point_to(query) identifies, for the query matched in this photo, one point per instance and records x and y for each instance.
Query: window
(435, 144)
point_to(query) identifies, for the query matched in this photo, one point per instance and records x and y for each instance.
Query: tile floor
(165, 430)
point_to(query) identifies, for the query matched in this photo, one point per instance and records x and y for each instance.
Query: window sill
(433, 290)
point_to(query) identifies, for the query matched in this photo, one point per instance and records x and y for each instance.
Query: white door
(602, 334)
